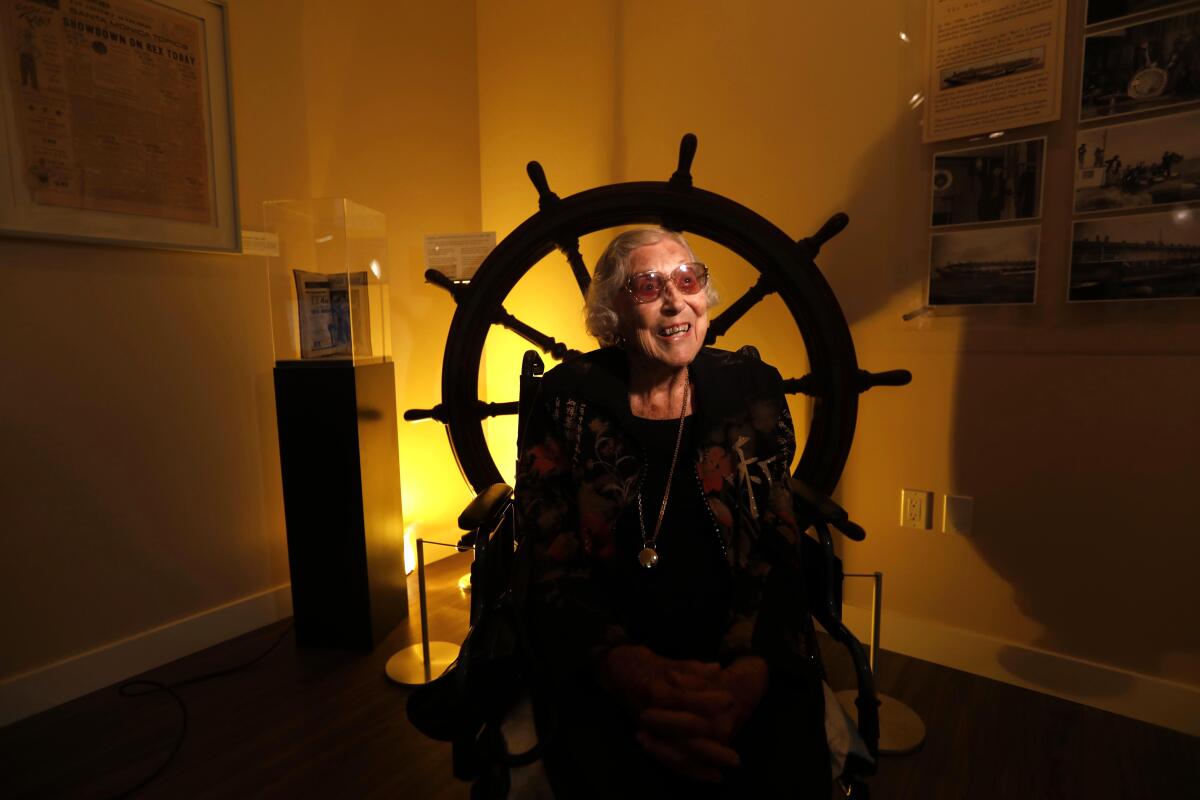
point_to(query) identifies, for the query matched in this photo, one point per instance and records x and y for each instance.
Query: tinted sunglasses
(646, 287)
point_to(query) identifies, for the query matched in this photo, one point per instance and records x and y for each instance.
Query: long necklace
(648, 557)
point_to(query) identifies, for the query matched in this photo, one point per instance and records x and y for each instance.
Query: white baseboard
(37, 690)
(1130, 694)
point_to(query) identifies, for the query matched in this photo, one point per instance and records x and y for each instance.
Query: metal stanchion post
(901, 730)
(421, 663)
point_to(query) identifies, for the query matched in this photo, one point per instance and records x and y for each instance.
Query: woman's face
(670, 330)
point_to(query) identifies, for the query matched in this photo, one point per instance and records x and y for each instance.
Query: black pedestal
(341, 498)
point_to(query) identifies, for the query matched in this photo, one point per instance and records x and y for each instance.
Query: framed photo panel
(1138, 257)
(993, 266)
(994, 183)
(1102, 11)
(1138, 164)
(1143, 66)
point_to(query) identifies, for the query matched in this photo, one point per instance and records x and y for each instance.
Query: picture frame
(989, 266)
(1136, 257)
(1142, 66)
(1149, 163)
(116, 123)
(1103, 12)
(986, 184)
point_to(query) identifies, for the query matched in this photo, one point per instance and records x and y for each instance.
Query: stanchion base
(901, 730)
(407, 666)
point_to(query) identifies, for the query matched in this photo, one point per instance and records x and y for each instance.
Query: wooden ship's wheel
(785, 265)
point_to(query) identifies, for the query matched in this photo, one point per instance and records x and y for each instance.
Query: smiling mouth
(674, 330)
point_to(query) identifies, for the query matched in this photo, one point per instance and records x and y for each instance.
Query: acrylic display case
(335, 402)
(329, 283)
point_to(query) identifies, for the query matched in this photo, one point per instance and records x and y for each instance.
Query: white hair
(611, 274)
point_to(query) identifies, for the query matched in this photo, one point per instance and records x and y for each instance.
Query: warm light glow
(995, 134)
(325, 239)
(904, 37)
(375, 269)
(915, 101)
(410, 548)
(1182, 215)
(464, 583)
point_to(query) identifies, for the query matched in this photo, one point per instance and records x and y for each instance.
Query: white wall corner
(1130, 694)
(37, 690)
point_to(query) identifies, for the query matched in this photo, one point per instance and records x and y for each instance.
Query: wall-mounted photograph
(1138, 164)
(1140, 257)
(988, 184)
(1149, 65)
(995, 266)
(1112, 10)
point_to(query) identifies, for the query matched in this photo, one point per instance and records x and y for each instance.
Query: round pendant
(648, 557)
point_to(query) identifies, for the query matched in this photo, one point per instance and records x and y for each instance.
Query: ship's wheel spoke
(812, 386)
(548, 344)
(568, 245)
(479, 409)
(571, 250)
(726, 319)
(807, 385)
(810, 245)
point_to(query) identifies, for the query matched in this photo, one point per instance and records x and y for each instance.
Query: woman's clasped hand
(688, 712)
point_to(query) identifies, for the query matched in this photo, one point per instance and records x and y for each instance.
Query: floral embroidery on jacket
(571, 506)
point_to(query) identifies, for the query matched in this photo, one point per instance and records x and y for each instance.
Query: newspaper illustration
(334, 314)
(110, 106)
(994, 65)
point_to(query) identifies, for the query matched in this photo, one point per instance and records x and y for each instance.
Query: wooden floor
(328, 724)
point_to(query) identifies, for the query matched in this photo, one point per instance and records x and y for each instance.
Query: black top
(680, 607)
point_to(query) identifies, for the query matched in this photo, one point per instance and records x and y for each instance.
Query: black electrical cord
(142, 688)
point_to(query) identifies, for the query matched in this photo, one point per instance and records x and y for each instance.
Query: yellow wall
(393, 123)
(139, 484)
(546, 93)
(139, 459)
(140, 467)
(1074, 428)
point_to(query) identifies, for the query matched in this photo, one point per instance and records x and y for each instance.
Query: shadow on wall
(1081, 461)
(1085, 462)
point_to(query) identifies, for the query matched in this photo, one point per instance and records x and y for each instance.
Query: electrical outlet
(916, 509)
(957, 513)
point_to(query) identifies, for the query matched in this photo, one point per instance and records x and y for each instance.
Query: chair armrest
(485, 510)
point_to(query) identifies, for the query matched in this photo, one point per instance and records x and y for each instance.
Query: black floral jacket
(578, 471)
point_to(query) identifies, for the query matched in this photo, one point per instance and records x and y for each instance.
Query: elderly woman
(665, 603)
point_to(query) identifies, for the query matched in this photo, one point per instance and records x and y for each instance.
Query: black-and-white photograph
(988, 184)
(1111, 10)
(1153, 64)
(997, 266)
(1141, 257)
(1138, 164)
(1001, 67)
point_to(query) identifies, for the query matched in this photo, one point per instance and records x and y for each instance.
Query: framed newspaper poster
(116, 123)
